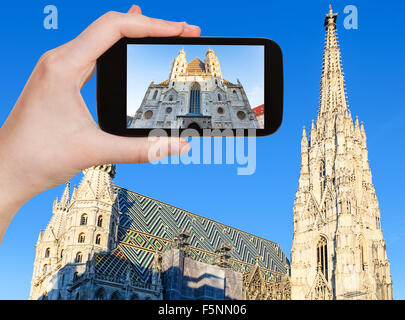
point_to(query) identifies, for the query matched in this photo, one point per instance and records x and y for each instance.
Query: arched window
(47, 252)
(195, 98)
(100, 221)
(322, 169)
(83, 219)
(79, 257)
(61, 253)
(155, 95)
(235, 95)
(82, 238)
(98, 239)
(170, 98)
(322, 256)
(100, 294)
(45, 268)
(322, 175)
(116, 296)
(219, 97)
(362, 253)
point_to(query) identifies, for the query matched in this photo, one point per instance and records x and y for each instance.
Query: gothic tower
(338, 250)
(85, 224)
(212, 64)
(179, 65)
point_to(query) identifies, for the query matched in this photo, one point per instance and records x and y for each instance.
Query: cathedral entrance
(194, 125)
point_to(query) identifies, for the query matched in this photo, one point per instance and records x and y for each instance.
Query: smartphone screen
(178, 86)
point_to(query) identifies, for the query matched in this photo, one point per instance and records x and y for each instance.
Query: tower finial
(331, 17)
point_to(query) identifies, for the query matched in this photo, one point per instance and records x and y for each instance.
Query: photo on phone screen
(195, 86)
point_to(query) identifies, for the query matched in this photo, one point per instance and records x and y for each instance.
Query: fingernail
(190, 26)
(135, 9)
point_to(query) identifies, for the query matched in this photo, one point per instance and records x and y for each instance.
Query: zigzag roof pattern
(148, 225)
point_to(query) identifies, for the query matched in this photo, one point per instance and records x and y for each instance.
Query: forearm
(13, 185)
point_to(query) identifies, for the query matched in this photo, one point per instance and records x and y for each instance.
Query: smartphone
(204, 86)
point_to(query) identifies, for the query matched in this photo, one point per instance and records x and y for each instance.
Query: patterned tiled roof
(148, 225)
(229, 84)
(259, 110)
(196, 66)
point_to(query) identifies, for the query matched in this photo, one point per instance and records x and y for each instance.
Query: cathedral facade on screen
(106, 242)
(195, 96)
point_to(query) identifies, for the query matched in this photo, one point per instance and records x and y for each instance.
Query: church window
(79, 257)
(116, 296)
(170, 98)
(322, 169)
(47, 252)
(98, 239)
(61, 253)
(100, 294)
(100, 221)
(195, 98)
(169, 110)
(241, 115)
(362, 253)
(82, 238)
(45, 268)
(349, 207)
(235, 95)
(216, 82)
(148, 114)
(219, 97)
(220, 110)
(155, 95)
(322, 256)
(83, 219)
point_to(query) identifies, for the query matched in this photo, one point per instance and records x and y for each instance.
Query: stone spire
(333, 97)
(336, 212)
(66, 195)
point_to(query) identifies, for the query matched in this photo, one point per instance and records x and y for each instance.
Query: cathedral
(338, 250)
(106, 242)
(195, 96)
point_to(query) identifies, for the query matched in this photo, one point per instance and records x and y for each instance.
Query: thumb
(115, 149)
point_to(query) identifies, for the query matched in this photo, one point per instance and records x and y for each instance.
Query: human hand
(50, 135)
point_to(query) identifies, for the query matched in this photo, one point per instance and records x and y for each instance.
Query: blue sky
(154, 62)
(261, 203)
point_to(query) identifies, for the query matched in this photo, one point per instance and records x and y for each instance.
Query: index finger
(112, 26)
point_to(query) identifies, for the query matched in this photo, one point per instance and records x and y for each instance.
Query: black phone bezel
(112, 83)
